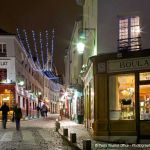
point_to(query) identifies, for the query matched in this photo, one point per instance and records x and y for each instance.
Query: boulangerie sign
(128, 64)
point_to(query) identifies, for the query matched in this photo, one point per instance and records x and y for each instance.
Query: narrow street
(38, 134)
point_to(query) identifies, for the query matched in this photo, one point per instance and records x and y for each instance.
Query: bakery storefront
(122, 94)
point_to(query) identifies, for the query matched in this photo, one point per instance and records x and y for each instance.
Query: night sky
(41, 15)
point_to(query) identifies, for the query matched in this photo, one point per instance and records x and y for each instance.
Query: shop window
(129, 34)
(144, 76)
(144, 100)
(122, 97)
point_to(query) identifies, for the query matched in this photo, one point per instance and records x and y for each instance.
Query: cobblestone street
(36, 134)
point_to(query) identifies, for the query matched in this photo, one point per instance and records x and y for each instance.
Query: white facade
(20, 68)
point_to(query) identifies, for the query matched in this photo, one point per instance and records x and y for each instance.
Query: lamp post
(83, 38)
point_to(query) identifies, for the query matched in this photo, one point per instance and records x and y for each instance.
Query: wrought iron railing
(129, 44)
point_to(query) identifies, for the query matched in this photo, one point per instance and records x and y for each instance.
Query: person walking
(5, 110)
(17, 116)
(44, 110)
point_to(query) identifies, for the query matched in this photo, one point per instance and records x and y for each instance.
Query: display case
(127, 109)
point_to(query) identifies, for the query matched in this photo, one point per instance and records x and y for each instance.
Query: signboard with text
(128, 64)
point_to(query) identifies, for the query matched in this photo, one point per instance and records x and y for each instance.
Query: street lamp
(83, 38)
(21, 83)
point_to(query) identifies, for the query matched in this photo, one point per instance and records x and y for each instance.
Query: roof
(3, 32)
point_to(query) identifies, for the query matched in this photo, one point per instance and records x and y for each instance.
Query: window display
(122, 97)
(145, 96)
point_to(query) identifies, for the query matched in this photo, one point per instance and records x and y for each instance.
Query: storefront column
(100, 125)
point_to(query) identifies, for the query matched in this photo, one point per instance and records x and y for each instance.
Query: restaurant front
(7, 95)
(122, 96)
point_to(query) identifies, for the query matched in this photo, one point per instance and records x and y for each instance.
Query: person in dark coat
(17, 116)
(5, 110)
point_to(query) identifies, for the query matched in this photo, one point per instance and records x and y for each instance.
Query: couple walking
(17, 115)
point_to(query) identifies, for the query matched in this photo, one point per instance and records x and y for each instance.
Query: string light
(48, 74)
(47, 45)
(41, 46)
(35, 48)
(52, 49)
(24, 50)
(28, 46)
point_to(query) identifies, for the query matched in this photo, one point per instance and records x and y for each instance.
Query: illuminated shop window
(144, 76)
(129, 34)
(145, 96)
(122, 97)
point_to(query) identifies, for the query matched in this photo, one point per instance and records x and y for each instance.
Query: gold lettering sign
(128, 64)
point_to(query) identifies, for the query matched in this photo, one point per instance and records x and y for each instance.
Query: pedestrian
(38, 111)
(17, 116)
(61, 113)
(44, 110)
(5, 110)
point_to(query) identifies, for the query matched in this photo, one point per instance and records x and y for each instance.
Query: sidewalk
(81, 133)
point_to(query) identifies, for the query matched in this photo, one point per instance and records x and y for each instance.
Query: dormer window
(129, 34)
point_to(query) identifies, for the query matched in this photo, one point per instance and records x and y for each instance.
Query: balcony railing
(129, 44)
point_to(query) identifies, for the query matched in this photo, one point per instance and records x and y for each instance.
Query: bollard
(73, 137)
(86, 144)
(57, 124)
(65, 131)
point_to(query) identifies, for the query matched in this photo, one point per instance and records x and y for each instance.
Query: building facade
(116, 76)
(20, 79)
(73, 82)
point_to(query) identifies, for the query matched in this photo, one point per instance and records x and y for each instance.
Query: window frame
(128, 42)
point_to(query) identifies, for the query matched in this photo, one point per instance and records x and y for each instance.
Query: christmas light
(46, 73)
(24, 50)
(41, 47)
(35, 48)
(52, 50)
(47, 45)
(28, 46)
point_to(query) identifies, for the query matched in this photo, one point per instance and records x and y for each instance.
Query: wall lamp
(82, 38)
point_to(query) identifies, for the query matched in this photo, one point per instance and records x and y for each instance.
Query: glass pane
(144, 76)
(145, 102)
(122, 97)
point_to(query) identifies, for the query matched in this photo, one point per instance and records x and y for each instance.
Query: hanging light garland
(48, 73)
(29, 49)
(41, 47)
(47, 46)
(52, 48)
(35, 48)
(24, 49)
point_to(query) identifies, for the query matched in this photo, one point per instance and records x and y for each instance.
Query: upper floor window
(3, 51)
(129, 34)
(3, 75)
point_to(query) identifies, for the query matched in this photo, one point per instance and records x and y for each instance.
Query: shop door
(144, 105)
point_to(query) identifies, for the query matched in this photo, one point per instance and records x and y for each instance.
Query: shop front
(88, 97)
(122, 95)
(7, 95)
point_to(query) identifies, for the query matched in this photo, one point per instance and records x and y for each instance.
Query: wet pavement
(40, 134)
(36, 134)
